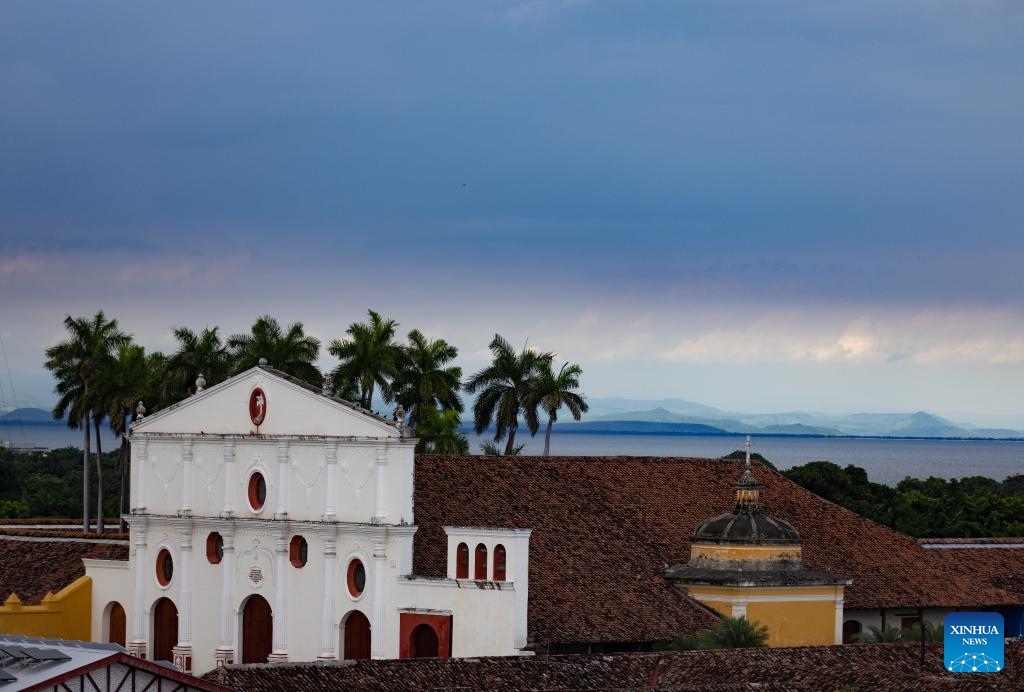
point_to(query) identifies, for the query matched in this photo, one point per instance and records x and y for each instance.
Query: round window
(356, 578)
(257, 491)
(164, 567)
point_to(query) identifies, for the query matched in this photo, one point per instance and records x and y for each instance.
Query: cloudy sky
(759, 206)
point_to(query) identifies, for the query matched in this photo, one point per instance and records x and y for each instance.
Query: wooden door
(165, 629)
(257, 630)
(357, 636)
(424, 642)
(117, 625)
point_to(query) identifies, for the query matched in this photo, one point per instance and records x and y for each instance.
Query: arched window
(214, 548)
(257, 491)
(423, 642)
(480, 566)
(462, 561)
(164, 567)
(499, 562)
(298, 551)
(851, 630)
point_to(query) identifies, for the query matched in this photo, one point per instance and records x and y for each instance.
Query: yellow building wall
(799, 623)
(723, 551)
(64, 615)
(795, 622)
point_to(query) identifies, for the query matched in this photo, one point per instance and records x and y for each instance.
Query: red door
(357, 636)
(257, 630)
(165, 629)
(117, 625)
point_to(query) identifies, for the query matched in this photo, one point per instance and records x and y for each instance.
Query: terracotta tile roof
(1001, 567)
(860, 667)
(604, 528)
(32, 568)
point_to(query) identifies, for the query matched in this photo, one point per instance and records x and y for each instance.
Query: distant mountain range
(679, 417)
(686, 417)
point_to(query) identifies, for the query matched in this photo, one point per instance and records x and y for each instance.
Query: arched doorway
(165, 629)
(257, 630)
(356, 644)
(851, 630)
(423, 642)
(116, 624)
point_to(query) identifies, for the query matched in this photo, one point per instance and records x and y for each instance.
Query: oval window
(356, 578)
(164, 567)
(214, 548)
(298, 551)
(257, 491)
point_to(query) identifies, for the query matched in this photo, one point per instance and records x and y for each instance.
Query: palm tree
(504, 387)
(737, 633)
(553, 391)
(369, 357)
(134, 377)
(198, 354)
(439, 432)
(423, 383)
(78, 363)
(292, 351)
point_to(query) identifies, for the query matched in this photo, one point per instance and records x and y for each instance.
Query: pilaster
(279, 650)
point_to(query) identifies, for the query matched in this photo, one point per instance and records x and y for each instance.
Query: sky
(756, 206)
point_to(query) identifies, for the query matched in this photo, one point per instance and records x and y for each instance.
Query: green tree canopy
(369, 358)
(504, 387)
(425, 381)
(290, 350)
(553, 390)
(80, 363)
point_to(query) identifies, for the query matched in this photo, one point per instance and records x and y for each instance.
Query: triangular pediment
(263, 401)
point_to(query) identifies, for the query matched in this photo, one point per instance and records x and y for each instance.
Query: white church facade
(270, 522)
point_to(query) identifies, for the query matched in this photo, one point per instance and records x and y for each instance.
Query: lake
(885, 460)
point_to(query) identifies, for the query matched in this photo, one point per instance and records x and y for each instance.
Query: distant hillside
(918, 424)
(28, 416)
(638, 427)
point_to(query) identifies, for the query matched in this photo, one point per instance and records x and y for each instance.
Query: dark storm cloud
(866, 152)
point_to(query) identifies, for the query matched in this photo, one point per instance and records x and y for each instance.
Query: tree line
(102, 375)
(933, 508)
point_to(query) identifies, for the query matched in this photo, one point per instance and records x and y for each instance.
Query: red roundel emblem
(257, 406)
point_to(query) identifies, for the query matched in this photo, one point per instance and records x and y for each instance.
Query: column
(282, 480)
(186, 479)
(228, 455)
(139, 470)
(377, 625)
(327, 644)
(225, 653)
(331, 461)
(382, 464)
(279, 648)
(840, 599)
(739, 608)
(183, 651)
(137, 646)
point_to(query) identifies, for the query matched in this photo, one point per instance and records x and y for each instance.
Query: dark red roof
(856, 667)
(604, 528)
(997, 564)
(32, 568)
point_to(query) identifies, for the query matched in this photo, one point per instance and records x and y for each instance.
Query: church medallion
(257, 406)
